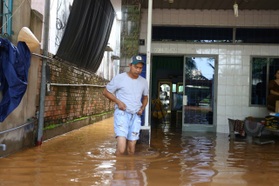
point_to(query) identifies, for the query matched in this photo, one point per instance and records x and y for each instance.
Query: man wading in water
(129, 91)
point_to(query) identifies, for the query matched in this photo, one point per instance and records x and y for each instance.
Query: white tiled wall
(233, 60)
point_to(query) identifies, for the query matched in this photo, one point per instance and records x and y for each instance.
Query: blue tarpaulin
(14, 65)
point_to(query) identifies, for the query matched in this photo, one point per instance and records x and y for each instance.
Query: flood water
(86, 157)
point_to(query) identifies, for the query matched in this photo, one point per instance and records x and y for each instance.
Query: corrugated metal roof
(210, 4)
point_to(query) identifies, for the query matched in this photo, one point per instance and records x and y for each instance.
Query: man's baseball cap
(137, 59)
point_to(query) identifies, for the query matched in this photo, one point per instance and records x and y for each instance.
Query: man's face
(136, 69)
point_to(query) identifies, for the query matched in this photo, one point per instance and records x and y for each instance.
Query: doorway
(165, 97)
(199, 93)
(192, 100)
(167, 81)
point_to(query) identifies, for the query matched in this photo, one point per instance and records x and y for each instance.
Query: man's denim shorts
(126, 124)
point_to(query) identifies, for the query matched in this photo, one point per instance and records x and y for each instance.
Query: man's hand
(112, 97)
(140, 112)
(121, 105)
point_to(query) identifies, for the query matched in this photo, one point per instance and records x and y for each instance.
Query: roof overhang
(209, 4)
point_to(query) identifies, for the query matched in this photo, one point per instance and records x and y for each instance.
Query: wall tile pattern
(233, 60)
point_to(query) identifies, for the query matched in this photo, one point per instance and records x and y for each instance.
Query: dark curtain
(87, 33)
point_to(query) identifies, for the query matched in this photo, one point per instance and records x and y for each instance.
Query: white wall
(62, 13)
(233, 60)
(38, 5)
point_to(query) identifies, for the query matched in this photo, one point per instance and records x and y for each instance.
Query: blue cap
(137, 59)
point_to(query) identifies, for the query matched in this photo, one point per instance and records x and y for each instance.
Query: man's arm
(144, 103)
(113, 98)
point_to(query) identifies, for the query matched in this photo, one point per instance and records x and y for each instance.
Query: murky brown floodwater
(86, 157)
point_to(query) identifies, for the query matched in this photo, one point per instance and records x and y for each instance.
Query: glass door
(198, 95)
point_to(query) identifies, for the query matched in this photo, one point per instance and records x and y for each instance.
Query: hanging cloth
(14, 65)
(87, 33)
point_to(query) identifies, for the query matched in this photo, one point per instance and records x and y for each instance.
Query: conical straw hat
(26, 35)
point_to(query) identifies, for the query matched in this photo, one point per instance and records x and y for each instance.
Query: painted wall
(233, 60)
(21, 17)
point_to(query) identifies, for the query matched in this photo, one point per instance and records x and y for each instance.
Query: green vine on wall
(130, 30)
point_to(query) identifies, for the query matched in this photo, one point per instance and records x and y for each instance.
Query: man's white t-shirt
(129, 91)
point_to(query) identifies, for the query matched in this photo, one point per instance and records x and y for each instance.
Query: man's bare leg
(121, 146)
(131, 147)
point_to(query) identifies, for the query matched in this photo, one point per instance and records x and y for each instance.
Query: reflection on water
(86, 157)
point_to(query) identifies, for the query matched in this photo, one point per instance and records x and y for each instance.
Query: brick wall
(81, 100)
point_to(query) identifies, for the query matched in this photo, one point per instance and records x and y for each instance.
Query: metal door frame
(200, 127)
